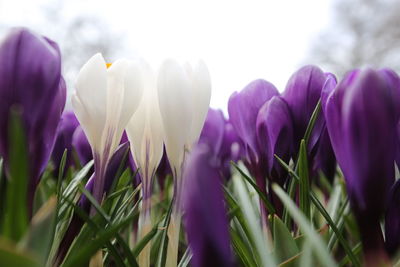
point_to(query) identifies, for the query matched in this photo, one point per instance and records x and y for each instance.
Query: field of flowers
(141, 172)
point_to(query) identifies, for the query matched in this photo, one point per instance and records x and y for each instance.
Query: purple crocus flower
(119, 158)
(243, 108)
(362, 113)
(65, 131)
(204, 211)
(324, 159)
(82, 146)
(30, 79)
(219, 134)
(392, 220)
(275, 135)
(302, 93)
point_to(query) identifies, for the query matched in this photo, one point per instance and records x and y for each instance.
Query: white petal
(145, 129)
(91, 98)
(133, 84)
(201, 86)
(115, 96)
(175, 103)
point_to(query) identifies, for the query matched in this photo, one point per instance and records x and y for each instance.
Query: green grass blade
(16, 213)
(285, 246)
(317, 243)
(261, 244)
(83, 255)
(304, 181)
(262, 196)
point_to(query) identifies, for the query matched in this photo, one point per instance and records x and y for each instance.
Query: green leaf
(253, 219)
(146, 239)
(242, 251)
(162, 255)
(293, 182)
(315, 240)
(356, 250)
(306, 258)
(284, 244)
(326, 216)
(311, 123)
(262, 196)
(39, 238)
(106, 218)
(11, 256)
(16, 212)
(91, 227)
(83, 255)
(304, 181)
(187, 256)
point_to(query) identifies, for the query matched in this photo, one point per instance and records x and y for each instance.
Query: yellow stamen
(108, 65)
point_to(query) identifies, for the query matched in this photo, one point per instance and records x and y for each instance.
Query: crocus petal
(82, 146)
(392, 220)
(302, 94)
(324, 159)
(175, 100)
(124, 95)
(65, 131)
(368, 106)
(243, 108)
(30, 78)
(89, 101)
(361, 114)
(275, 134)
(213, 130)
(201, 87)
(205, 215)
(145, 129)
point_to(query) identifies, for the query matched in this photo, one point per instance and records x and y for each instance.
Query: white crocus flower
(145, 133)
(184, 96)
(104, 101)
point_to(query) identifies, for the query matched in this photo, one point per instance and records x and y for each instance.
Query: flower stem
(175, 221)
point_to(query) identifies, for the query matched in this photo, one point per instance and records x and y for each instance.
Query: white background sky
(239, 40)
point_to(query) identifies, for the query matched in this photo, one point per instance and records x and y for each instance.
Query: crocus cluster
(162, 117)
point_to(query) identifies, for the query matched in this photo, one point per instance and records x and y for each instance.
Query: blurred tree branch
(364, 33)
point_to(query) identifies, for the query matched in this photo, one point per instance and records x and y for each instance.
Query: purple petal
(243, 108)
(30, 77)
(275, 135)
(205, 215)
(213, 130)
(302, 94)
(66, 129)
(82, 146)
(392, 220)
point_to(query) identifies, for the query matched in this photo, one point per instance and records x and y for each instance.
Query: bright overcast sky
(239, 40)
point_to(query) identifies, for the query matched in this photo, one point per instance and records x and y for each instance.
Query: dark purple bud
(213, 130)
(118, 159)
(82, 146)
(221, 137)
(65, 131)
(302, 94)
(30, 78)
(163, 170)
(392, 220)
(243, 108)
(275, 135)
(204, 211)
(324, 159)
(362, 113)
